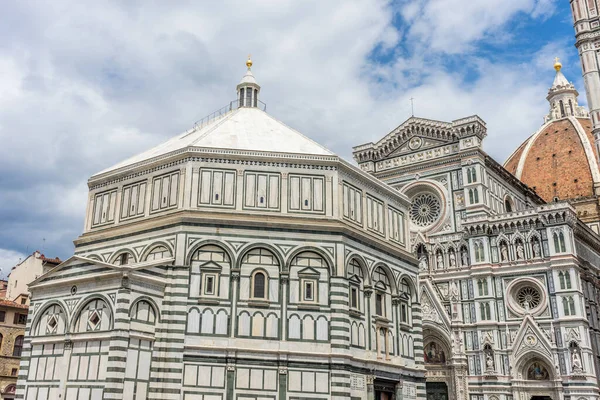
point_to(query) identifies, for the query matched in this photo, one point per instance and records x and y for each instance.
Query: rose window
(425, 209)
(529, 297)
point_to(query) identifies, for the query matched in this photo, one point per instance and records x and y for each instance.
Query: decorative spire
(249, 62)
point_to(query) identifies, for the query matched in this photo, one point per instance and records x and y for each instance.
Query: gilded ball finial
(557, 64)
(249, 61)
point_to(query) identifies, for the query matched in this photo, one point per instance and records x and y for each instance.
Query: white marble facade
(508, 284)
(240, 260)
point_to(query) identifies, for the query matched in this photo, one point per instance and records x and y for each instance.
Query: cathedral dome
(559, 161)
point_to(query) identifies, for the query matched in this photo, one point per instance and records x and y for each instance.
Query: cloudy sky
(84, 85)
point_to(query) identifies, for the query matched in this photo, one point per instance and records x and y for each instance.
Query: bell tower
(587, 35)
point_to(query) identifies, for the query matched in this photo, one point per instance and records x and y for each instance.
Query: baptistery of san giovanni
(239, 260)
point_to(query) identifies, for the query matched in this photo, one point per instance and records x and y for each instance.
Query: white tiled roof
(241, 129)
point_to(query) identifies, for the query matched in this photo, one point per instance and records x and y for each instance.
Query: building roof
(13, 304)
(244, 128)
(559, 161)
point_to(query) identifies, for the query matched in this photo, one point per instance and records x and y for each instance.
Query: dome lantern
(248, 88)
(562, 97)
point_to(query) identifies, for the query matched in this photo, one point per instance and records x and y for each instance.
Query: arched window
(561, 279)
(382, 291)
(124, 259)
(356, 277)
(507, 206)
(562, 108)
(143, 312)
(567, 280)
(561, 242)
(471, 198)
(482, 286)
(485, 310)
(158, 253)
(571, 110)
(259, 282)
(261, 265)
(18, 347)
(479, 252)
(476, 195)
(242, 97)
(405, 301)
(1, 337)
(568, 305)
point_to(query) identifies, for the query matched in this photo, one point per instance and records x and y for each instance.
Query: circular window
(529, 297)
(425, 209)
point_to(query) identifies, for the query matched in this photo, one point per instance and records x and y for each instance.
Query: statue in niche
(440, 261)
(423, 264)
(520, 250)
(452, 258)
(576, 362)
(489, 363)
(433, 355)
(503, 252)
(464, 257)
(537, 250)
(537, 372)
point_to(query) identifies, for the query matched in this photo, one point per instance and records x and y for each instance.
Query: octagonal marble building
(239, 260)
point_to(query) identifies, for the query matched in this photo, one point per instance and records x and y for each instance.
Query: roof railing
(221, 112)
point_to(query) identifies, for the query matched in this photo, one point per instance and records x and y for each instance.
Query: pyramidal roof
(245, 128)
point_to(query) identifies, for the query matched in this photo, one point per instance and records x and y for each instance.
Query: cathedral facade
(508, 281)
(240, 260)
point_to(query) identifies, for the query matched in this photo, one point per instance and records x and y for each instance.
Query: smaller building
(3, 288)
(13, 318)
(26, 272)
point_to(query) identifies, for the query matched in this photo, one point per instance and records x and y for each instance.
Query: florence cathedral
(242, 260)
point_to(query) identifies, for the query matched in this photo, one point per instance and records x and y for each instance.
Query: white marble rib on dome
(241, 129)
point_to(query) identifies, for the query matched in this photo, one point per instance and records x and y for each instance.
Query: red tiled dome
(558, 161)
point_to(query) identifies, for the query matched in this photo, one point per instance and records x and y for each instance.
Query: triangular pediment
(432, 308)
(531, 338)
(308, 271)
(67, 267)
(417, 143)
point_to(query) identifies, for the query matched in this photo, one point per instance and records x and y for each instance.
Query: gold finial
(557, 64)
(249, 61)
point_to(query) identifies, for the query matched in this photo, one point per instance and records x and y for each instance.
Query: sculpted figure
(423, 264)
(520, 251)
(503, 252)
(440, 261)
(536, 249)
(452, 257)
(576, 362)
(464, 257)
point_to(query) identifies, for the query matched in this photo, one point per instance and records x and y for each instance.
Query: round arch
(38, 315)
(223, 246)
(252, 246)
(390, 275)
(326, 257)
(84, 302)
(412, 285)
(120, 252)
(363, 265)
(150, 301)
(154, 245)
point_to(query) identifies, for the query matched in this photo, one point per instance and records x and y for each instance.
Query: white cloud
(8, 259)
(91, 84)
